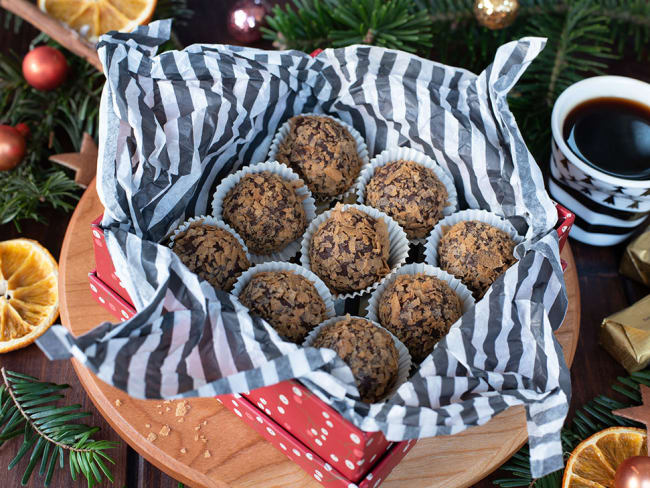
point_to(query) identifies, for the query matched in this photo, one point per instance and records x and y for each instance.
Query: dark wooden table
(603, 292)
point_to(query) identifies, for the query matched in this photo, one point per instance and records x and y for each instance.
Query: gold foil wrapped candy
(636, 260)
(626, 335)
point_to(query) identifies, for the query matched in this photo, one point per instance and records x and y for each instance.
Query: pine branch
(593, 417)
(311, 24)
(29, 408)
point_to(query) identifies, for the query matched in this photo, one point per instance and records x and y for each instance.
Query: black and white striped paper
(173, 125)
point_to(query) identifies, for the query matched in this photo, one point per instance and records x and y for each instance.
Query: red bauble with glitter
(634, 472)
(12, 147)
(45, 68)
(245, 19)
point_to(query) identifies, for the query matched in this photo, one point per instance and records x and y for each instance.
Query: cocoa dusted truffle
(419, 309)
(349, 251)
(476, 253)
(266, 211)
(369, 352)
(288, 301)
(323, 153)
(212, 253)
(410, 193)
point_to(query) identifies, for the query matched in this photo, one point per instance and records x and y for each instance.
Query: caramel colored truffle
(349, 251)
(287, 301)
(419, 309)
(266, 211)
(476, 253)
(212, 253)
(409, 193)
(369, 352)
(323, 153)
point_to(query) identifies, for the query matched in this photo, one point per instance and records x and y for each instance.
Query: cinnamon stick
(57, 30)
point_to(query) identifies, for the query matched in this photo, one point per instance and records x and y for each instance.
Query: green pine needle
(311, 24)
(28, 408)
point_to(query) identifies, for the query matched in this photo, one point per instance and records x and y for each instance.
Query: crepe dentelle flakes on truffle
(266, 211)
(212, 253)
(369, 352)
(350, 250)
(288, 301)
(476, 253)
(323, 153)
(419, 309)
(409, 193)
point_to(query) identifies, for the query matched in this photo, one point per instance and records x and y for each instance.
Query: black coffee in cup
(611, 135)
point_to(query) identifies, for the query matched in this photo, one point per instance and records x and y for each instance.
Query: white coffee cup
(607, 208)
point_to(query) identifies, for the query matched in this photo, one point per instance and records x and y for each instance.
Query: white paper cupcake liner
(321, 287)
(362, 149)
(408, 154)
(433, 240)
(399, 245)
(209, 220)
(404, 361)
(285, 173)
(420, 268)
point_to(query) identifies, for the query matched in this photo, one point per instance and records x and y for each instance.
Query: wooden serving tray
(210, 447)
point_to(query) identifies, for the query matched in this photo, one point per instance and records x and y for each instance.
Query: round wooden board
(238, 457)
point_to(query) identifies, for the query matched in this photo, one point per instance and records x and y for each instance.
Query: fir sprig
(30, 408)
(311, 24)
(593, 417)
(57, 121)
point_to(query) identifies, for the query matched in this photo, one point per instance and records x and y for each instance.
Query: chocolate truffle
(419, 309)
(369, 352)
(266, 211)
(349, 251)
(476, 253)
(410, 193)
(212, 253)
(288, 301)
(323, 153)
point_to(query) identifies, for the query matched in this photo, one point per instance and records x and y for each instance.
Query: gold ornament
(496, 14)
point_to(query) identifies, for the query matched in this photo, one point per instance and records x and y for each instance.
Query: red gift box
(287, 414)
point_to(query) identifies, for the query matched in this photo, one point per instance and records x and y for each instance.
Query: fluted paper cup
(433, 241)
(286, 174)
(454, 283)
(399, 245)
(408, 154)
(404, 361)
(321, 287)
(362, 150)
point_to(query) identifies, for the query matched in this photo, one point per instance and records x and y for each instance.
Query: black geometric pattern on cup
(571, 173)
(595, 206)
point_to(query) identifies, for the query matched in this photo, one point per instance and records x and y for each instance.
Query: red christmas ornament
(12, 147)
(245, 19)
(45, 68)
(634, 472)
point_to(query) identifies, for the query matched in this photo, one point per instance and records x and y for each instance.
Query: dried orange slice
(92, 18)
(594, 462)
(29, 293)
